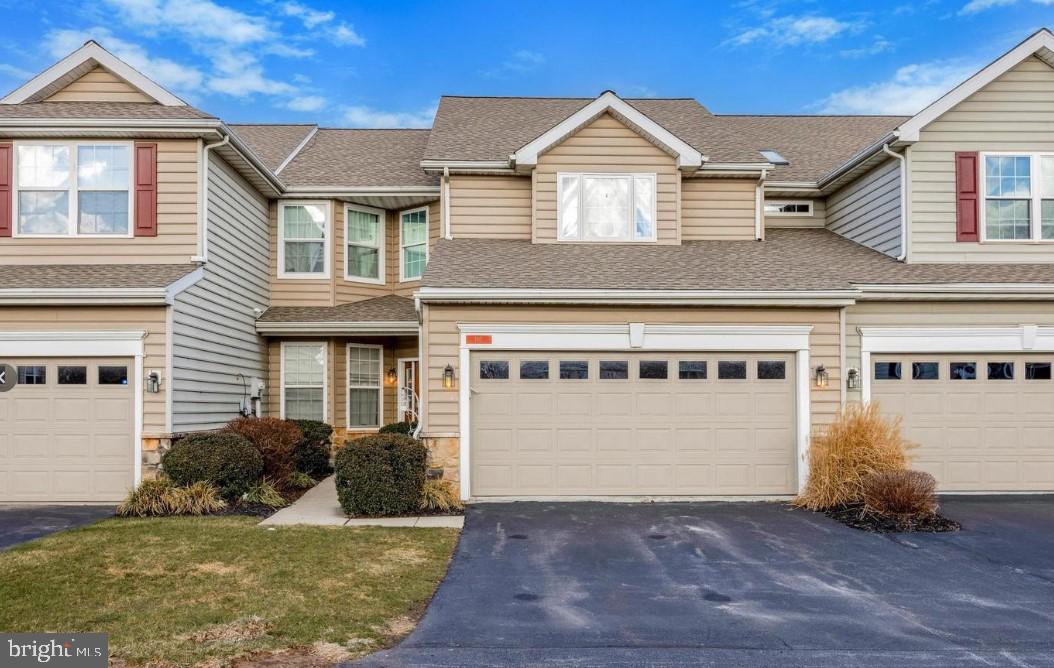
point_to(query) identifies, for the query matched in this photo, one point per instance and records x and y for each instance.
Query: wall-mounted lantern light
(822, 377)
(852, 379)
(448, 377)
(390, 377)
(153, 382)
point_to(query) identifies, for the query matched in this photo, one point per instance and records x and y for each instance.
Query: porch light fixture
(822, 377)
(390, 376)
(448, 377)
(852, 379)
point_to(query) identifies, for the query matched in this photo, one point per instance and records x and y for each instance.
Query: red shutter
(145, 190)
(966, 197)
(7, 178)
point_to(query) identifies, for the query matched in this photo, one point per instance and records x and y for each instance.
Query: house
(588, 297)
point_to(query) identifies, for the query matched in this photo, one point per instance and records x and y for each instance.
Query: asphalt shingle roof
(788, 259)
(361, 158)
(118, 110)
(390, 308)
(273, 143)
(58, 276)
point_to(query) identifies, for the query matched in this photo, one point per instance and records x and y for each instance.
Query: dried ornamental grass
(440, 496)
(161, 497)
(861, 441)
(901, 494)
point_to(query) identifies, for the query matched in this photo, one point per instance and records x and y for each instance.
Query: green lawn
(182, 591)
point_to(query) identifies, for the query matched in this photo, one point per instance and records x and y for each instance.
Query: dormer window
(606, 207)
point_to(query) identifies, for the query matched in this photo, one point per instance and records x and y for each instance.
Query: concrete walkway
(319, 507)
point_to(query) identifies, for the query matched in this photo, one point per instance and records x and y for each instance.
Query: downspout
(903, 201)
(204, 190)
(446, 204)
(421, 368)
(759, 207)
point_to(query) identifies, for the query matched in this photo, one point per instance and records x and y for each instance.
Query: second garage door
(592, 424)
(982, 422)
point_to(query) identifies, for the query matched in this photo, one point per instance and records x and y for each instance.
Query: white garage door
(67, 430)
(983, 422)
(588, 424)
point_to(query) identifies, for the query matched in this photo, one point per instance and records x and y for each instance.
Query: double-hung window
(303, 240)
(364, 253)
(413, 244)
(304, 380)
(365, 390)
(73, 189)
(605, 207)
(1018, 197)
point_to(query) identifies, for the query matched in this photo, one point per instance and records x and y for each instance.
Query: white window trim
(381, 242)
(327, 241)
(1035, 222)
(73, 231)
(784, 202)
(636, 337)
(402, 248)
(325, 375)
(560, 176)
(380, 387)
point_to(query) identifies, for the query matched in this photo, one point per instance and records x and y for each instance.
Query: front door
(409, 389)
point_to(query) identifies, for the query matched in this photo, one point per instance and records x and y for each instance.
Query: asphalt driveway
(739, 584)
(19, 524)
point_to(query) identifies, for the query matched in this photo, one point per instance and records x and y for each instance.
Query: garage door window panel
(887, 370)
(731, 370)
(1037, 371)
(494, 370)
(534, 370)
(925, 371)
(73, 375)
(1000, 371)
(113, 375)
(574, 370)
(772, 370)
(32, 375)
(691, 370)
(653, 370)
(614, 370)
(963, 370)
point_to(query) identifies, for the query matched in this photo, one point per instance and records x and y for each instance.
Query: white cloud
(911, 89)
(880, 45)
(368, 117)
(195, 19)
(307, 103)
(345, 34)
(15, 72)
(518, 62)
(168, 73)
(241, 75)
(795, 30)
(310, 17)
(975, 6)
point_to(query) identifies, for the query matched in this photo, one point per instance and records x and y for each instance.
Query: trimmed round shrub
(901, 494)
(312, 454)
(226, 460)
(405, 428)
(275, 439)
(381, 475)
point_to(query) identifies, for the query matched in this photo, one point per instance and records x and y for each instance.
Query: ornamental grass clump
(439, 496)
(905, 495)
(860, 442)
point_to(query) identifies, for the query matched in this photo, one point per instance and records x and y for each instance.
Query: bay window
(304, 381)
(303, 240)
(605, 207)
(73, 189)
(365, 389)
(364, 252)
(413, 244)
(1018, 197)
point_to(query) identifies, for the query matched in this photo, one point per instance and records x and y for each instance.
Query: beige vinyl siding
(936, 314)
(1012, 113)
(495, 207)
(216, 351)
(867, 210)
(177, 222)
(442, 347)
(100, 85)
(606, 145)
(722, 209)
(817, 219)
(149, 319)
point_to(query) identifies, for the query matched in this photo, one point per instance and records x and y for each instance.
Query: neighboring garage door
(67, 430)
(982, 422)
(589, 424)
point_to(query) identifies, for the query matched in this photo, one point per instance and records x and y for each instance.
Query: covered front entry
(983, 421)
(67, 430)
(574, 423)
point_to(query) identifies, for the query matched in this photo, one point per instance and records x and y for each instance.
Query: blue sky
(385, 64)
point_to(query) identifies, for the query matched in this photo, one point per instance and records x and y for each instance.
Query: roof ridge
(560, 97)
(277, 124)
(322, 127)
(811, 116)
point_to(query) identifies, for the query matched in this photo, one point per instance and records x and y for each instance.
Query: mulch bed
(250, 509)
(855, 515)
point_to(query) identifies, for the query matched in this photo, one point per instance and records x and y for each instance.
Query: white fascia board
(379, 191)
(467, 165)
(687, 156)
(721, 167)
(956, 291)
(693, 297)
(911, 129)
(84, 296)
(811, 186)
(296, 151)
(92, 51)
(1003, 339)
(861, 157)
(91, 124)
(350, 327)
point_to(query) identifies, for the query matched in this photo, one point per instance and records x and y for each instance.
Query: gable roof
(338, 158)
(100, 110)
(79, 63)
(274, 143)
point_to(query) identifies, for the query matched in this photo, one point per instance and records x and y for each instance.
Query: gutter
(956, 291)
(675, 297)
(859, 158)
(759, 207)
(348, 327)
(446, 204)
(424, 191)
(903, 200)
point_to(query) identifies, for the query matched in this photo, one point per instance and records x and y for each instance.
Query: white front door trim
(632, 337)
(128, 343)
(1002, 339)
